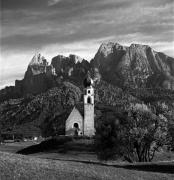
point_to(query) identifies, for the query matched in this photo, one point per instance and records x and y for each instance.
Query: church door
(76, 128)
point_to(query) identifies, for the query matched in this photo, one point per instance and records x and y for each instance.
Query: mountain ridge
(133, 66)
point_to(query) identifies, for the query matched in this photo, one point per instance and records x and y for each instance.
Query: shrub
(106, 138)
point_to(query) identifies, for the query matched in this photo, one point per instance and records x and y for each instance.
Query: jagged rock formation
(38, 78)
(72, 68)
(135, 66)
(38, 65)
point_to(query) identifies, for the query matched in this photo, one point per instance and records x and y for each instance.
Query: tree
(167, 111)
(170, 117)
(171, 135)
(47, 129)
(134, 134)
(143, 134)
(106, 138)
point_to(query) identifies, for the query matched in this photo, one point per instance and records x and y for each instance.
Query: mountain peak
(38, 59)
(38, 65)
(135, 66)
(143, 46)
(76, 58)
(61, 56)
(110, 44)
(108, 48)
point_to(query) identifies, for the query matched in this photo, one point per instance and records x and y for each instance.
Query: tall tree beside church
(107, 137)
(136, 135)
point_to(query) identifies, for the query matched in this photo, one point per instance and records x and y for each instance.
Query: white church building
(83, 123)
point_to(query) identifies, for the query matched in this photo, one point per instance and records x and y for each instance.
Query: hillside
(32, 111)
(50, 109)
(124, 77)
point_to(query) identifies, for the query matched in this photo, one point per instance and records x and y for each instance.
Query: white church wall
(74, 117)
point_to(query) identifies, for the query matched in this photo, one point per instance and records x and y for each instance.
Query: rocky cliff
(39, 76)
(135, 66)
(73, 68)
(38, 65)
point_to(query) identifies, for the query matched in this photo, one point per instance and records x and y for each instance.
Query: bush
(106, 138)
(171, 135)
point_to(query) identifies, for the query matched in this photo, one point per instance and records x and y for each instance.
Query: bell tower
(88, 124)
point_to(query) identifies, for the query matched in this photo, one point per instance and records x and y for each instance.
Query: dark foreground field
(15, 166)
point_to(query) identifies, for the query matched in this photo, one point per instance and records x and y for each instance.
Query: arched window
(89, 100)
(76, 125)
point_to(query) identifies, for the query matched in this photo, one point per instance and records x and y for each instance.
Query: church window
(88, 91)
(89, 100)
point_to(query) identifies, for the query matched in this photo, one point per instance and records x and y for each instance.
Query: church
(82, 122)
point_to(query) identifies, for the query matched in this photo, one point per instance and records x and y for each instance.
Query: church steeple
(88, 106)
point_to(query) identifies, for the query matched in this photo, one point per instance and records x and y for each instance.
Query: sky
(53, 27)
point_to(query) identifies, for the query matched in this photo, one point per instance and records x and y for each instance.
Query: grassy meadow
(15, 166)
(78, 162)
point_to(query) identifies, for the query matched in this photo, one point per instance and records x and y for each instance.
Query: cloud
(53, 2)
(79, 26)
(23, 4)
(13, 66)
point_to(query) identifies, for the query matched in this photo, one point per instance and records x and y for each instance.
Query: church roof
(74, 111)
(80, 108)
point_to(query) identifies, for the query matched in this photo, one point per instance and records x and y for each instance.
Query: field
(14, 147)
(76, 165)
(14, 166)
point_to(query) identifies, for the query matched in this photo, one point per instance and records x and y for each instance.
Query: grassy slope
(14, 147)
(13, 166)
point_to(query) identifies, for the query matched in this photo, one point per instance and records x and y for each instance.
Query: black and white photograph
(86, 89)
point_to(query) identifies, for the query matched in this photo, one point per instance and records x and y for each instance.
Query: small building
(83, 123)
(74, 123)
